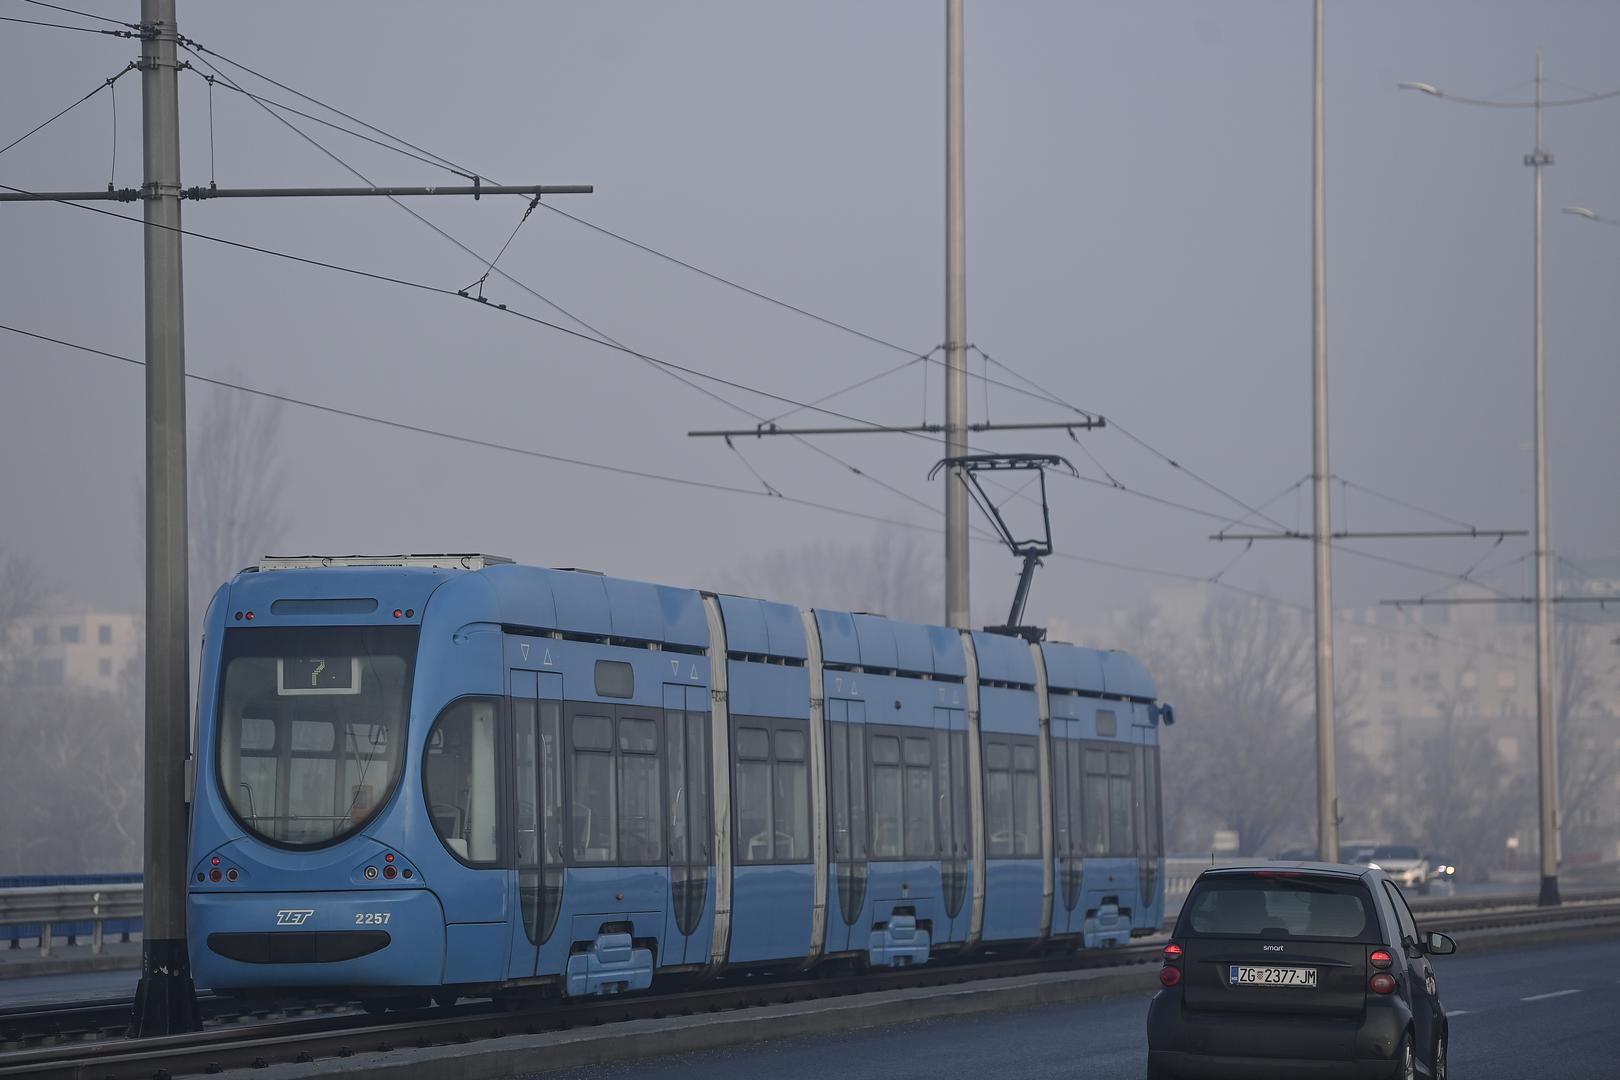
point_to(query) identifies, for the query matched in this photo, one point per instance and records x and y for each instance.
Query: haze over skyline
(1138, 243)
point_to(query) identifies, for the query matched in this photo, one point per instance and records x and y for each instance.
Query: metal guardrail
(51, 911)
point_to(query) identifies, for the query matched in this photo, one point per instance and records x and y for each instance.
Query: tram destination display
(297, 675)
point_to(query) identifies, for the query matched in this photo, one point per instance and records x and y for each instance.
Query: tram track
(37, 1026)
(222, 1047)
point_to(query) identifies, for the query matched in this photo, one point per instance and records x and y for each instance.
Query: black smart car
(1303, 969)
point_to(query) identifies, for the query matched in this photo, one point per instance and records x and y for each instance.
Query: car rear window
(1237, 905)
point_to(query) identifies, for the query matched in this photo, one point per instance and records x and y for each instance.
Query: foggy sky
(1138, 193)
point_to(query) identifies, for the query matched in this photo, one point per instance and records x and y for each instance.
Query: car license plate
(1249, 975)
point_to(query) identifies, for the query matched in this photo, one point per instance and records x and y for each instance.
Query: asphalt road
(1551, 1011)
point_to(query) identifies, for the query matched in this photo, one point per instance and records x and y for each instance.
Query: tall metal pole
(165, 1001)
(1327, 798)
(1546, 730)
(956, 493)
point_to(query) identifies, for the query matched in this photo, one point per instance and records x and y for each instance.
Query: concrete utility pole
(956, 414)
(1546, 731)
(1327, 784)
(1546, 720)
(165, 1000)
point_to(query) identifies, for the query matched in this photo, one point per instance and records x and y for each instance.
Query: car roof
(1301, 869)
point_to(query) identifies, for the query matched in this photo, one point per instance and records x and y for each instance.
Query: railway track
(239, 1045)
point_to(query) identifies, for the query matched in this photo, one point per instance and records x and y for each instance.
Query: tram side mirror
(1437, 944)
(1167, 714)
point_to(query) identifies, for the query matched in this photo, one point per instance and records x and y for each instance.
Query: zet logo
(293, 917)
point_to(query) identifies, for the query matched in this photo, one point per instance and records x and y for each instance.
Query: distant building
(1403, 669)
(86, 651)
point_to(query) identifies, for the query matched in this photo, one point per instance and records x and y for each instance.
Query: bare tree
(1588, 743)
(896, 573)
(1463, 799)
(1243, 676)
(22, 592)
(234, 488)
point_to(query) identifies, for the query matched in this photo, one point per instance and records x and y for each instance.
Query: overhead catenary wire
(105, 84)
(69, 26)
(1041, 394)
(83, 14)
(682, 481)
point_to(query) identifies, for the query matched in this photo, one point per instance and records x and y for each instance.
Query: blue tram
(453, 775)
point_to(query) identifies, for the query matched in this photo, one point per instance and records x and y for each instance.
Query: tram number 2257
(371, 918)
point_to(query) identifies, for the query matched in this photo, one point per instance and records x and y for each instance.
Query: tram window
(312, 735)
(675, 732)
(593, 733)
(998, 799)
(459, 780)
(753, 744)
(1077, 833)
(1119, 803)
(1026, 802)
(258, 733)
(1096, 802)
(1107, 723)
(790, 746)
(697, 757)
(595, 802)
(838, 769)
(615, 679)
(886, 797)
(551, 782)
(1060, 797)
(792, 810)
(1152, 825)
(640, 800)
(753, 800)
(526, 822)
(919, 800)
(857, 792)
(638, 736)
(303, 766)
(959, 793)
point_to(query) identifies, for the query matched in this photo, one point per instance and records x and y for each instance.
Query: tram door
(1067, 836)
(535, 813)
(846, 761)
(956, 837)
(689, 922)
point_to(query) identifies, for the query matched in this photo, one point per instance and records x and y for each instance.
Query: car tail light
(1380, 959)
(1382, 983)
(1172, 951)
(1170, 976)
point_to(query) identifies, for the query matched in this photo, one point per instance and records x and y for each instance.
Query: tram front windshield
(312, 727)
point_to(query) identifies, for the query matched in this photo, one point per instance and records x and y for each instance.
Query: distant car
(1356, 851)
(1314, 970)
(1441, 868)
(1403, 862)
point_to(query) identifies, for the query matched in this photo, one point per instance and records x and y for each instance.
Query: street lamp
(1546, 735)
(1589, 215)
